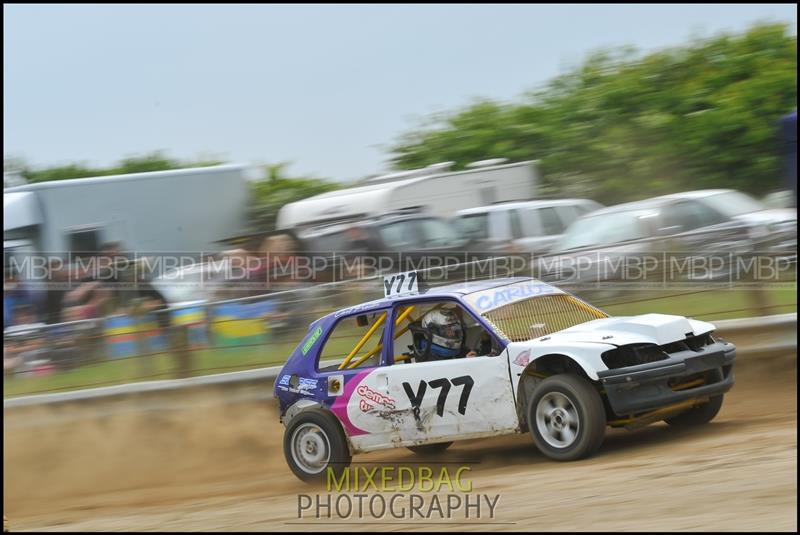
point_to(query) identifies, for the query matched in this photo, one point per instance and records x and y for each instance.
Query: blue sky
(325, 87)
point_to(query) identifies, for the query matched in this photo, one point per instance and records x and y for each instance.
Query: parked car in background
(592, 248)
(529, 226)
(353, 249)
(191, 285)
(772, 230)
(400, 232)
(779, 199)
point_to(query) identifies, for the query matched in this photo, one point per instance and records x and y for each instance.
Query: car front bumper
(683, 376)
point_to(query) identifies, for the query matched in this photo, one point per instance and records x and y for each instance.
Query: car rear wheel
(702, 414)
(313, 443)
(430, 449)
(566, 417)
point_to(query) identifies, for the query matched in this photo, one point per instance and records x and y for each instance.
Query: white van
(433, 191)
(180, 210)
(529, 226)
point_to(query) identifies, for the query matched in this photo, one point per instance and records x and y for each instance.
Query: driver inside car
(441, 335)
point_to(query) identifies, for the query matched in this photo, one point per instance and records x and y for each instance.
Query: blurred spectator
(358, 239)
(151, 300)
(24, 316)
(276, 270)
(77, 341)
(58, 276)
(359, 245)
(272, 267)
(111, 249)
(23, 347)
(228, 284)
(92, 299)
(133, 289)
(99, 292)
(115, 296)
(15, 294)
(281, 252)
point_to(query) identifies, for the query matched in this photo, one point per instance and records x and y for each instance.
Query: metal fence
(252, 332)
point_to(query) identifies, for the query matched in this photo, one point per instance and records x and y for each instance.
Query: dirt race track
(212, 467)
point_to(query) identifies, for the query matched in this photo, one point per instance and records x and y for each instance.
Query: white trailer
(184, 210)
(428, 190)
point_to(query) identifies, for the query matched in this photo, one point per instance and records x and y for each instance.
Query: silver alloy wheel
(311, 449)
(557, 420)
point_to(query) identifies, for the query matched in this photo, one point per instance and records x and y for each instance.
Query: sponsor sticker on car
(311, 340)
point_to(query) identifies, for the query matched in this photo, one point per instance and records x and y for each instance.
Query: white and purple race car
(535, 359)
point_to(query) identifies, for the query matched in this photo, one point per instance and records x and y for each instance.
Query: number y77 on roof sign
(401, 284)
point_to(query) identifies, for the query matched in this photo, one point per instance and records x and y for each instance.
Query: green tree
(277, 189)
(623, 126)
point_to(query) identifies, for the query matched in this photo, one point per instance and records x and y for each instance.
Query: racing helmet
(444, 330)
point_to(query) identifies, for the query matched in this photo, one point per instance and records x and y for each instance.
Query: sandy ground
(211, 467)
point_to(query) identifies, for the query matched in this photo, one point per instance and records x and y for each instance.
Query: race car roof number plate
(401, 284)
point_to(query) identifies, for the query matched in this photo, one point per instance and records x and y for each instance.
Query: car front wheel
(566, 417)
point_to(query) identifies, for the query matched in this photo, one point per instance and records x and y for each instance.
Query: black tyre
(702, 414)
(312, 443)
(430, 449)
(566, 417)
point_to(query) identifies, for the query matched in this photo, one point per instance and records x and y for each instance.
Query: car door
(702, 241)
(695, 228)
(450, 399)
(483, 229)
(542, 227)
